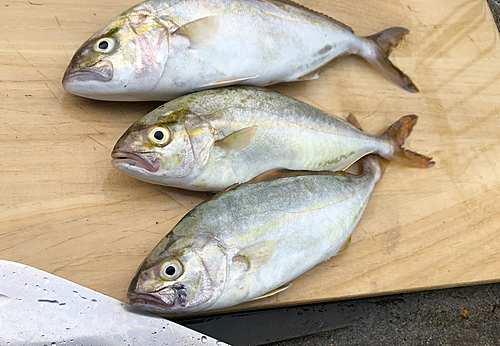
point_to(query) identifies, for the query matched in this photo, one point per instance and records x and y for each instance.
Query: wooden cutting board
(65, 210)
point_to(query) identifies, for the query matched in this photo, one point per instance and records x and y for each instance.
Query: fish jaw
(149, 292)
(84, 81)
(167, 299)
(127, 161)
(155, 167)
(150, 302)
(199, 286)
(87, 71)
(176, 162)
(101, 71)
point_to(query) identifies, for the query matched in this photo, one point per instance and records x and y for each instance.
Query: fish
(162, 49)
(249, 241)
(212, 139)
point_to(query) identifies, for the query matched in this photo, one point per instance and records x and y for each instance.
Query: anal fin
(227, 82)
(310, 76)
(229, 188)
(345, 246)
(273, 292)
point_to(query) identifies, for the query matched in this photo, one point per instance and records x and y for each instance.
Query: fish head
(121, 61)
(165, 147)
(180, 275)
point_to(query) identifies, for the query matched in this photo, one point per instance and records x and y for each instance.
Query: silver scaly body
(285, 133)
(256, 238)
(162, 49)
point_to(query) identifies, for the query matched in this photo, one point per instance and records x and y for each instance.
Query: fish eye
(171, 270)
(159, 136)
(104, 45)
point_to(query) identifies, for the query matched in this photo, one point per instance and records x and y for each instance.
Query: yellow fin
(227, 82)
(229, 188)
(238, 140)
(284, 173)
(345, 246)
(275, 174)
(256, 255)
(273, 292)
(310, 76)
(201, 32)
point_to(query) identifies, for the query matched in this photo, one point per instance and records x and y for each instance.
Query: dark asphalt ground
(455, 317)
(424, 318)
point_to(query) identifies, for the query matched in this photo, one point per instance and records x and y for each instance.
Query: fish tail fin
(372, 159)
(381, 45)
(396, 135)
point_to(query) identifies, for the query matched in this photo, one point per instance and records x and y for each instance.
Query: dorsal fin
(324, 16)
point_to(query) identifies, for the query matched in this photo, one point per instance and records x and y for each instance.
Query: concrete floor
(455, 317)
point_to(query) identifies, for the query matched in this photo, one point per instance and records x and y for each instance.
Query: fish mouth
(127, 158)
(177, 294)
(101, 71)
(141, 300)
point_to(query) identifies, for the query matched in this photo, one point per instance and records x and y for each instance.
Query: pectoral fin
(238, 140)
(273, 292)
(202, 32)
(256, 255)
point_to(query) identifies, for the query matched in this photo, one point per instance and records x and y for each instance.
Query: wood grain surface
(65, 210)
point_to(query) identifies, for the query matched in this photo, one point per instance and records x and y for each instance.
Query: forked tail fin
(381, 45)
(396, 135)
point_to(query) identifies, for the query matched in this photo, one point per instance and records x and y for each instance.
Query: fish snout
(80, 70)
(159, 300)
(141, 160)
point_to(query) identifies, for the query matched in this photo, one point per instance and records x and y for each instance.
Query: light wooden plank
(66, 211)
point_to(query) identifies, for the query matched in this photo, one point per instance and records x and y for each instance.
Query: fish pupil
(170, 270)
(159, 136)
(103, 45)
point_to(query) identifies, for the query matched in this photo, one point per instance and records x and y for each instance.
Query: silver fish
(162, 49)
(251, 240)
(212, 139)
